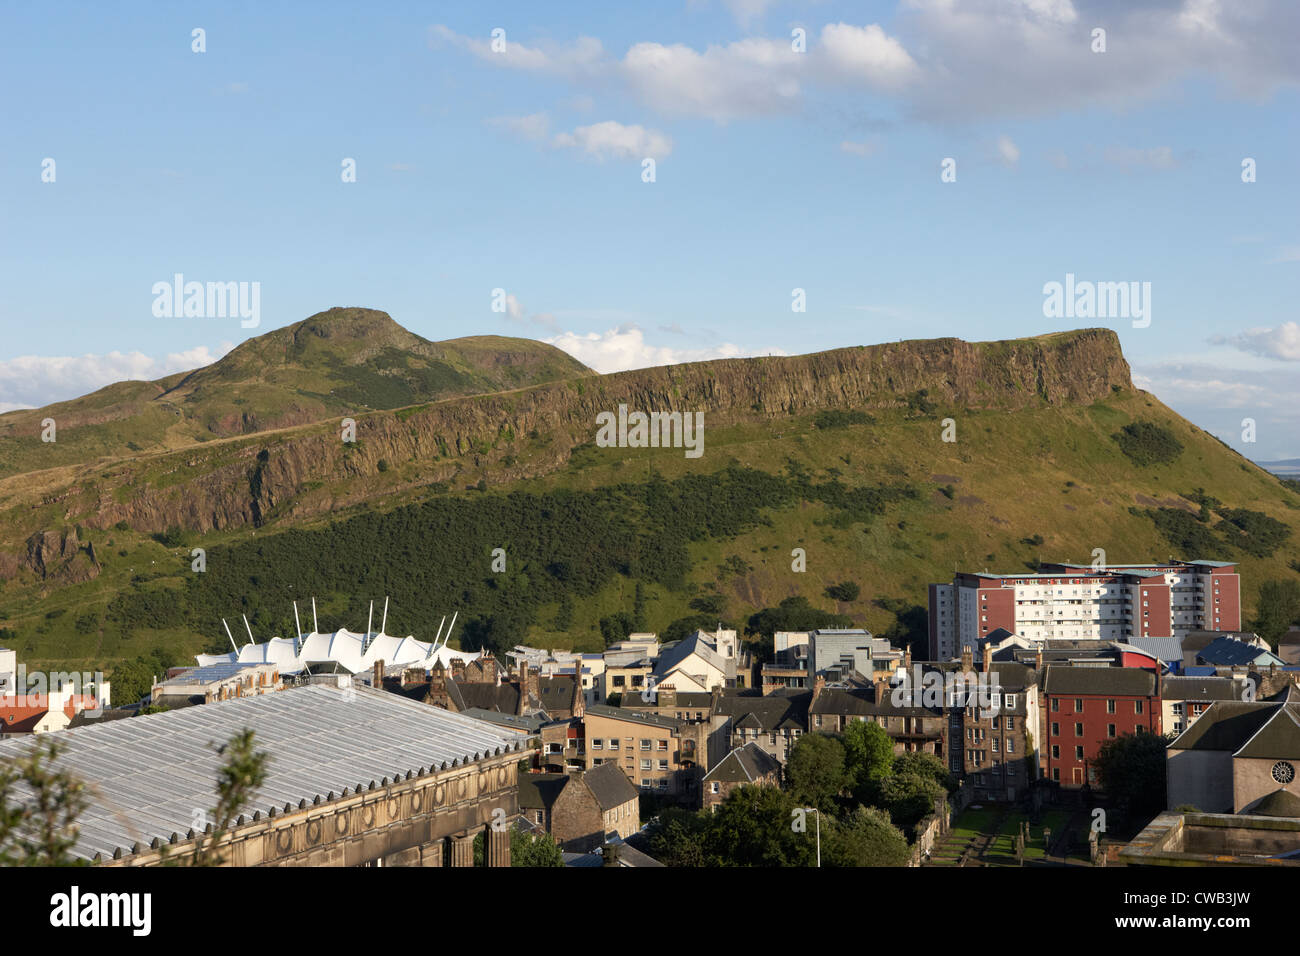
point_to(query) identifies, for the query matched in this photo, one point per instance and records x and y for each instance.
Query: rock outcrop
(533, 431)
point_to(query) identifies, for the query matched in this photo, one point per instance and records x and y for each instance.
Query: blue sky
(775, 169)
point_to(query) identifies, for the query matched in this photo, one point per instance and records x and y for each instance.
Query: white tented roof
(351, 651)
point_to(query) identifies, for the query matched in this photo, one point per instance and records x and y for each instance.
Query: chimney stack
(819, 685)
(967, 659)
(377, 677)
(907, 658)
(988, 657)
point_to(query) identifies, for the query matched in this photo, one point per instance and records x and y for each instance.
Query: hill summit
(337, 362)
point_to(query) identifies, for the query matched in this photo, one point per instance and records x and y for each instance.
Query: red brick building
(1084, 707)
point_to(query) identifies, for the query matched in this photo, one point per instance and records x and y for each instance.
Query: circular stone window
(1283, 772)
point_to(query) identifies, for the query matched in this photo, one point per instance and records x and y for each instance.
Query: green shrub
(1147, 444)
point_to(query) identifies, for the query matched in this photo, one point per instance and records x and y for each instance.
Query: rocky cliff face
(239, 482)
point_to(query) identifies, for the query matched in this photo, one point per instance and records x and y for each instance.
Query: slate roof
(538, 791)
(610, 786)
(150, 772)
(557, 692)
(1227, 725)
(1013, 676)
(1278, 739)
(1200, 688)
(619, 713)
(767, 713)
(467, 694)
(1099, 681)
(744, 765)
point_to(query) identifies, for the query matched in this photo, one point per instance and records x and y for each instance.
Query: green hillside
(337, 362)
(873, 496)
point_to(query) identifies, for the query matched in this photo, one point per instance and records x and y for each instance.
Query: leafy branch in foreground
(42, 831)
(242, 774)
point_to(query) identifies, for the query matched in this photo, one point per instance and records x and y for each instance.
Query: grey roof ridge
(1260, 729)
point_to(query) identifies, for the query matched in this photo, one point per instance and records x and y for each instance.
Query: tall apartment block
(1079, 601)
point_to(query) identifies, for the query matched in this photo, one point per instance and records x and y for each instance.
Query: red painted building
(1080, 602)
(1084, 707)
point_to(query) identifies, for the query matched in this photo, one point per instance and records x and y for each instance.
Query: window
(645, 764)
(1056, 752)
(596, 743)
(1078, 753)
(1010, 702)
(1110, 706)
(1137, 706)
(1011, 745)
(1011, 723)
(663, 784)
(1110, 730)
(645, 744)
(1078, 730)
(1056, 705)
(1056, 730)
(714, 787)
(663, 765)
(613, 743)
(1078, 705)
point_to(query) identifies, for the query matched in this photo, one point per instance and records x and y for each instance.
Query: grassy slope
(1009, 473)
(343, 361)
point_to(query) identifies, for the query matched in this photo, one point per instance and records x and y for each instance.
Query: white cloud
(996, 57)
(752, 77)
(624, 348)
(867, 54)
(1282, 342)
(946, 60)
(1288, 254)
(1219, 398)
(32, 381)
(1008, 152)
(745, 12)
(612, 140)
(583, 57)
